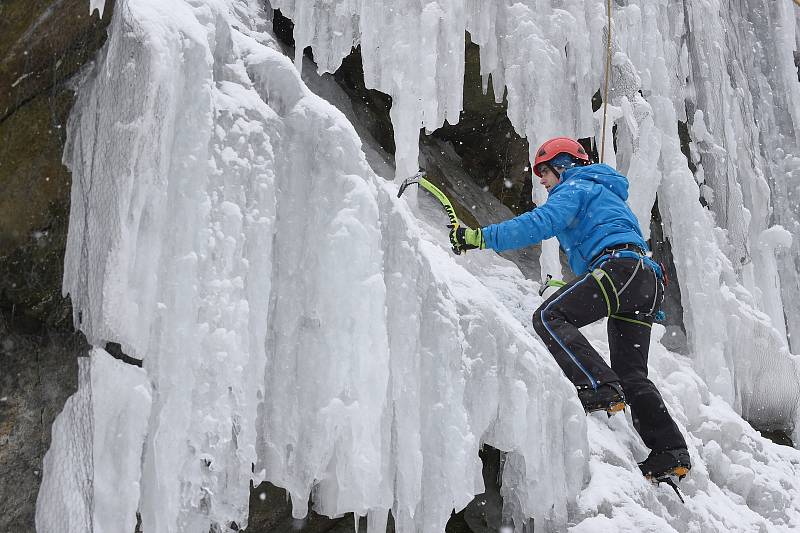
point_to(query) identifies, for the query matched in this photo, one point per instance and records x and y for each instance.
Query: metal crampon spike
(669, 481)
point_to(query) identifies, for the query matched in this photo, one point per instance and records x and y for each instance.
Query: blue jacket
(585, 211)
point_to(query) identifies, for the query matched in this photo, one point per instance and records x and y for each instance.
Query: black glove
(463, 238)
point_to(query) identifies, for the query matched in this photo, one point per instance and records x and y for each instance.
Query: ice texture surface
(292, 314)
(92, 470)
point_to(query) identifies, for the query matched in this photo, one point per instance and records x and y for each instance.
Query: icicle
(98, 5)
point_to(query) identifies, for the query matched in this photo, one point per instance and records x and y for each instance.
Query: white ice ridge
(227, 230)
(730, 67)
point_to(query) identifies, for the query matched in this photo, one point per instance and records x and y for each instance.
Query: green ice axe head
(419, 179)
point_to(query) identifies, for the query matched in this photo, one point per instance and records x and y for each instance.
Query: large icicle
(414, 52)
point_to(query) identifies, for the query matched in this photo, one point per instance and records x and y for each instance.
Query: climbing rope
(605, 89)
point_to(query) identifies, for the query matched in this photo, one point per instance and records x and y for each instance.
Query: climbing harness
(635, 271)
(627, 254)
(601, 276)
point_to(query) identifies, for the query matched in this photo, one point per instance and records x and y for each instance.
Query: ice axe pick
(419, 179)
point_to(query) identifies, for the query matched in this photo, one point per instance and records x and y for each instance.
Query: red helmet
(555, 146)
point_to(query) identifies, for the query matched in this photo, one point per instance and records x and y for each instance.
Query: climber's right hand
(463, 238)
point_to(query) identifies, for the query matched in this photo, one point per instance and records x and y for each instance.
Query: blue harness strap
(629, 254)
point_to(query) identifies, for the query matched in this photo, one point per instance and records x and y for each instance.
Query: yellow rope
(605, 89)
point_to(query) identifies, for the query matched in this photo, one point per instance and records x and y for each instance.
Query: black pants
(628, 292)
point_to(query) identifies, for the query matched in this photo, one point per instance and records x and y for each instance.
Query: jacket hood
(598, 173)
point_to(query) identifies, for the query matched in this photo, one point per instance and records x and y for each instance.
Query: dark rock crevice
(493, 153)
(271, 510)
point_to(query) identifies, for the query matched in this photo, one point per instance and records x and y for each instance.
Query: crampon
(666, 467)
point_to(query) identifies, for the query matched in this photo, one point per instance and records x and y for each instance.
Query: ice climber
(586, 211)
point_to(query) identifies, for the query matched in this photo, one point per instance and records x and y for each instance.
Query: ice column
(171, 214)
(709, 268)
(735, 144)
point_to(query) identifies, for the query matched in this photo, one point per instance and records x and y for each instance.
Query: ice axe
(419, 179)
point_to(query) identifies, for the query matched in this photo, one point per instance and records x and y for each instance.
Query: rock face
(43, 45)
(39, 374)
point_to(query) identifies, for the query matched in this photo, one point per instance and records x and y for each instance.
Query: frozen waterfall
(229, 232)
(299, 324)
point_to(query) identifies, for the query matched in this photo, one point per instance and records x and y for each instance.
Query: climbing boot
(660, 465)
(606, 397)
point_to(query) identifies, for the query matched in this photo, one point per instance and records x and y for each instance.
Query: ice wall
(289, 311)
(291, 314)
(730, 67)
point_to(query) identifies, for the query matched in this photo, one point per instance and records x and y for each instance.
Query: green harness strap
(598, 274)
(631, 320)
